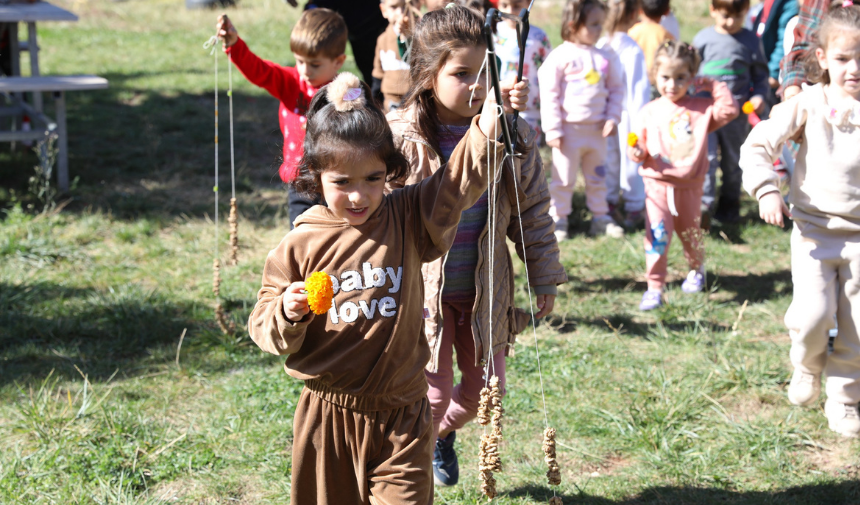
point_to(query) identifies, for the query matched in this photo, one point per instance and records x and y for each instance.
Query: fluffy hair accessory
(847, 3)
(345, 92)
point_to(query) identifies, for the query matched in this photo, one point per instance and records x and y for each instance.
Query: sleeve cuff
(767, 188)
(549, 289)
(552, 135)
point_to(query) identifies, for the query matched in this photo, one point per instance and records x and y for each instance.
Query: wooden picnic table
(16, 85)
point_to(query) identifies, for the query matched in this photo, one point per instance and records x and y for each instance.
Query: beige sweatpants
(825, 270)
(345, 457)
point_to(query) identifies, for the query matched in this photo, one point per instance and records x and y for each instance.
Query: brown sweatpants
(343, 456)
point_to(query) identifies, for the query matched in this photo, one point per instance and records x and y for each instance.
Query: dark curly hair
(837, 19)
(335, 137)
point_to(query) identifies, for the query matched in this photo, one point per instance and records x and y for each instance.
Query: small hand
(515, 96)
(226, 31)
(403, 27)
(545, 305)
(636, 154)
(758, 104)
(702, 83)
(773, 82)
(789, 92)
(296, 302)
(554, 143)
(609, 127)
(771, 208)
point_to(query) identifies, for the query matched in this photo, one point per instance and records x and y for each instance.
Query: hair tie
(450, 5)
(345, 92)
(847, 3)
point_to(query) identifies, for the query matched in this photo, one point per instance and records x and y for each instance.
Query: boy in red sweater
(318, 43)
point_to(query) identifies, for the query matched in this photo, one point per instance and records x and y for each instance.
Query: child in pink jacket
(581, 92)
(672, 146)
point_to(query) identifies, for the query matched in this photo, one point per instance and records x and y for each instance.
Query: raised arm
(281, 82)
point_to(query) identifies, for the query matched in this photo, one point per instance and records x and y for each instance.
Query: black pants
(365, 23)
(299, 202)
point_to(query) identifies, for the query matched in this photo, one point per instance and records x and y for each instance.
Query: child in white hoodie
(825, 242)
(622, 173)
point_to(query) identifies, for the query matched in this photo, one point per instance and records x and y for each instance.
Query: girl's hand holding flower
(296, 302)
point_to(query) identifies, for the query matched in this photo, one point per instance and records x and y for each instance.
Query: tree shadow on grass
(46, 326)
(144, 153)
(842, 492)
(626, 325)
(756, 288)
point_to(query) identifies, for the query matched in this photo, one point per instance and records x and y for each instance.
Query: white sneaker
(804, 388)
(843, 419)
(605, 225)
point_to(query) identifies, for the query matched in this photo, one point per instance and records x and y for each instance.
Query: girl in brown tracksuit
(447, 51)
(362, 428)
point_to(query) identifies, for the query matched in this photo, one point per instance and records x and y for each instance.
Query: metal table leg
(62, 143)
(33, 48)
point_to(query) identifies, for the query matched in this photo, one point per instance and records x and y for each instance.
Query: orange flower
(632, 139)
(748, 108)
(320, 292)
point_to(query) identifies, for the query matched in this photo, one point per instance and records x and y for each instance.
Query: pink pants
(582, 148)
(454, 406)
(660, 223)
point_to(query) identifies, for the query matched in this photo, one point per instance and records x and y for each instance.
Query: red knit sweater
(294, 94)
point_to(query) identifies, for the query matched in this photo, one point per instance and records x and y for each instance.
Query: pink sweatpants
(660, 223)
(454, 406)
(582, 148)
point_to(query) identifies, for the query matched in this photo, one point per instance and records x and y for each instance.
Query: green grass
(99, 404)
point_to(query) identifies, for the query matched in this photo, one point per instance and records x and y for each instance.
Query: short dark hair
(334, 136)
(575, 12)
(733, 7)
(319, 32)
(655, 9)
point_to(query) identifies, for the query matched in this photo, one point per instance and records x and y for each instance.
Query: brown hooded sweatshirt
(369, 351)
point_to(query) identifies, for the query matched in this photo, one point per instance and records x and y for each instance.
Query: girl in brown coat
(447, 91)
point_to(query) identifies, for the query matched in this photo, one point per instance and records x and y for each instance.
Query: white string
(215, 188)
(230, 99)
(475, 85)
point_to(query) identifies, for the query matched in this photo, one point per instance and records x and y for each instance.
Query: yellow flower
(748, 108)
(320, 292)
(632, 139)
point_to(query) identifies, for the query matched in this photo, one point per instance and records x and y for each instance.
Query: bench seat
(52, 83)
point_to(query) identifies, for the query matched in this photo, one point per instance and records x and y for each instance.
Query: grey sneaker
(605, 225)
(842, 418)
(804, 388)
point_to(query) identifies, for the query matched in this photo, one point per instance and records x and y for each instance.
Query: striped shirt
(462, 258)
